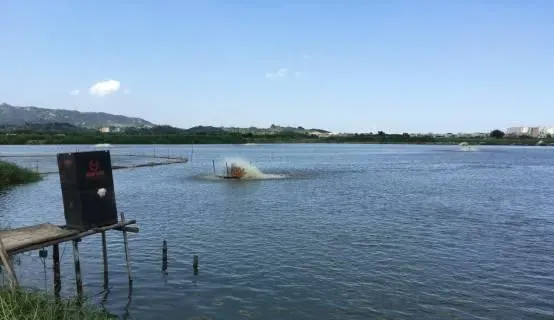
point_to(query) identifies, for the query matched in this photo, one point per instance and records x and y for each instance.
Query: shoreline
(254, 143)
(173, 136)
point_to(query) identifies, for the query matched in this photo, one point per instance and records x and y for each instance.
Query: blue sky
(396, 66)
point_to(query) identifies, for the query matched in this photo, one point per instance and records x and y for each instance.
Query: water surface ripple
(353, 232)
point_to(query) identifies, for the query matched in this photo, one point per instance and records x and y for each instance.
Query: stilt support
(126, 245)
(57, 271)
(105, 259)
(78, 279)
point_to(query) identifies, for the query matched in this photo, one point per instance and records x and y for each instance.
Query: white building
(319, 134)
(514, 131)
(535, 132)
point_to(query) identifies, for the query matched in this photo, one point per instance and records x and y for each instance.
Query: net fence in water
(46, 162)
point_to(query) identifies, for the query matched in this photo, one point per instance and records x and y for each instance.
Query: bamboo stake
(126, 245)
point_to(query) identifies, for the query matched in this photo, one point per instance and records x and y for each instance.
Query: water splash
(465, 147)
(251, 172)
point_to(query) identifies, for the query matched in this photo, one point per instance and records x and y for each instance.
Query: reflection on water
(364, 232)
(105, 295)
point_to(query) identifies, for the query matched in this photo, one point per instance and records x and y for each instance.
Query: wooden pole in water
(213, 165)
(78, 279)
(5, 258)
(126, 246)
(105, 258)
(195, 264)
(164, 256)
(57, 273)
(227, 169)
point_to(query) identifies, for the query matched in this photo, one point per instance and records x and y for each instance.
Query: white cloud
(283, 73)
(75, 92)
(280, 74)
(103, 88)
(126, 91)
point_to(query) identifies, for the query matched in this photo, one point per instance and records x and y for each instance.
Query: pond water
(326, 232)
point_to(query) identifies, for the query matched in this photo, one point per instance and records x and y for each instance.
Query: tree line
(168, 135)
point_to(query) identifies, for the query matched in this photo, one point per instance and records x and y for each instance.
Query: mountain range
(35, 118)
(17, 116)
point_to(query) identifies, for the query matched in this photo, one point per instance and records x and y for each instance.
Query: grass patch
(31, 305)
(11, 175)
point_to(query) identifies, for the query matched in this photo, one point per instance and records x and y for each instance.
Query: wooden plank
(128, 229)
(21, 237)
(41, 243)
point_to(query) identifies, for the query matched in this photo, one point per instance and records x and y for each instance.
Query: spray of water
(251, 172)
(468, 148)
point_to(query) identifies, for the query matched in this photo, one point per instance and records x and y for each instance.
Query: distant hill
(53, 127)
(18, 116)
(274, 129)
(211, 130)
(165, 129)
(13, 118)
(205, 129)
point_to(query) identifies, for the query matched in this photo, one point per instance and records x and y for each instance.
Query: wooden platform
(27, 236)
(19, 240)
(39, 236)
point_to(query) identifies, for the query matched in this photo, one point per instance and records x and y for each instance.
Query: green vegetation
(211, 135)
(31, 305)
(11, 174)
(497, 134)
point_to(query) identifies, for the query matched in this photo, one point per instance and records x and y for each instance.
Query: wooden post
(226, 169)
(164, 256)
(213, 164)
(105, 256)
(5, 258)
(195, 264)
(57, 273)
(126, 246)
(78, 279)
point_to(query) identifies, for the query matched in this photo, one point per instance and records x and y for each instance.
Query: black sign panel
(87, 189)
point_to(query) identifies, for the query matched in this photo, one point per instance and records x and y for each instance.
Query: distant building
(319, 134)
(473, 134)
(535, 132)
(105, 129)
(514, 131)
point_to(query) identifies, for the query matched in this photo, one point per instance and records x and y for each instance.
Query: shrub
(11, 174)
(32, 305)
